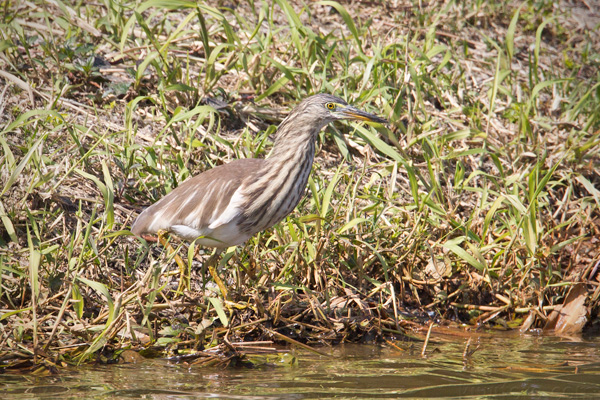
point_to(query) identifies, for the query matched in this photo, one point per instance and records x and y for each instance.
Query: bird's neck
(280, 184)
(292, 156)
(293, 151)
(287, 154)
(294, 139)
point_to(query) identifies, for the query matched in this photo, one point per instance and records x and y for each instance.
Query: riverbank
(479, 204)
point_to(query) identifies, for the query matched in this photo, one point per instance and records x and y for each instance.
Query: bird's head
(308, 118)
(328, 108)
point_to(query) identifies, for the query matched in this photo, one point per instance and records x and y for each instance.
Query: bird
(228, 204)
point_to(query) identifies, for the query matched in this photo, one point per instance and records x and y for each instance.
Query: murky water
(517, 367)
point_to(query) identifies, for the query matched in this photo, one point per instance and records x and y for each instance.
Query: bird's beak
(352, 113)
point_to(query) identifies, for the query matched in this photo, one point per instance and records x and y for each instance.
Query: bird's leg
(211, 263)
(252, 266)
(184, 281)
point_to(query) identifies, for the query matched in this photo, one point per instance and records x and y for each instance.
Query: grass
(480, 203)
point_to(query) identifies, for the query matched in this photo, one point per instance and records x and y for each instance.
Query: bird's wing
(201, 203)
(232, 210)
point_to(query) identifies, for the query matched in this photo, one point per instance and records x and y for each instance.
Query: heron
(228, 204)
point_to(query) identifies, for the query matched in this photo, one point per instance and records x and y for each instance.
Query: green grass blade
(454, 246)
(8, 225)
(538, 43)
(347, 19)
(351, 224)
(109, 196)
(329, 192)
(510, 33)
(218, 306)
(23, 163)
(102, 290)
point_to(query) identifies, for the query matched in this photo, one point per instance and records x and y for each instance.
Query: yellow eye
(331, 106)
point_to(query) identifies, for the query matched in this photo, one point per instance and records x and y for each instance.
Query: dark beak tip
(356, 114)
(378, 120)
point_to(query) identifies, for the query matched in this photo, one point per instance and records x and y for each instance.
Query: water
(517, 367)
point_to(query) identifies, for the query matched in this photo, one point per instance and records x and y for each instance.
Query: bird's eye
(330, 106)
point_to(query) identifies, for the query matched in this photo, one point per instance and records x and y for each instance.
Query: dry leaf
(572, 315)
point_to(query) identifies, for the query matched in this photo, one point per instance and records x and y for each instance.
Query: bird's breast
(275, 193)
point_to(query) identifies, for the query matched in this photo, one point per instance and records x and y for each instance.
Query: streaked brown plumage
(228, 204)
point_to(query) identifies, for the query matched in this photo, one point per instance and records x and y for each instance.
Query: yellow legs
(211, 263)
(184, 279)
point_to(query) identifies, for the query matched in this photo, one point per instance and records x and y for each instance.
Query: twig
(468, 352)
(257, 322)
(427, 338)
(477, 307)
(394, 345)
(296, 343)
(58, 318)
(395, 306)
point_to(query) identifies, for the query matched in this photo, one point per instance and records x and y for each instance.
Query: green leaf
(490, 214)
(567, 242)
(10, 158)
(538, 39)
(294, 22)
(23, 118)
(341, 144)
(351, 224)
(175, 33)
(127, 31)
(273, 88)
(454, 246)
(106, 190)
(8, 225)
(347, 19)
(168, 4)
(201, 111)
(17, 171)
(96, 345)
(163, 341)
(103, 290)
(13, 312)
(77, 301)
(445, 60)
(329, 193)
(530, 235)
(435, 50)
(590, 187)
(379, 144)
(109, 198)
(35, 258)
(495, 85)
(218, 306)
(510, 33)
(516, 203)
(309, 218)
(139, 73)
(180, 87)
(544, 84)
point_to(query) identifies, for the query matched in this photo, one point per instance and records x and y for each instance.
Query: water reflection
(502, 368)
